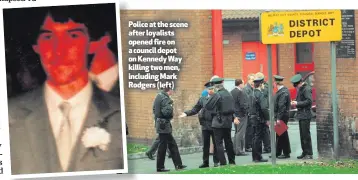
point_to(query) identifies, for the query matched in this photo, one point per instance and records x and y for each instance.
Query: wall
(194, 44)
(232, 53)
(233, 56)
(347, 96)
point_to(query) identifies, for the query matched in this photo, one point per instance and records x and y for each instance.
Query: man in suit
(51, 126)
(240, 115)
(249, 135)
(163, 114)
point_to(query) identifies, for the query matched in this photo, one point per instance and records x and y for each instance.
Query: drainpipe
(217, 43)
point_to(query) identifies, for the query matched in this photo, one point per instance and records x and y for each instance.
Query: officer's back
(258, 106)
(224, 104)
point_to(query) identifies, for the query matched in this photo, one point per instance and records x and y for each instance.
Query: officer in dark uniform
(223, 104)
(205, 120)
(265, 91)
(259, 114)
(282, 104)
(163, 113)
(303, 104)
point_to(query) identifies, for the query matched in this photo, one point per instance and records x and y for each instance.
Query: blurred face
(63, 50)
(251, 81)
(170, 92)
(242, 85)
(211, 90)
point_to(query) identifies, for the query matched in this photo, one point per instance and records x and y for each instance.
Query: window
(304, 53)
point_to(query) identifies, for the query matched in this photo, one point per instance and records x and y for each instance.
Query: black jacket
(304, 102)
(259, 106)
(282, 104)
(223, 104)
(205, 116)
(248, 89)
(163, 112)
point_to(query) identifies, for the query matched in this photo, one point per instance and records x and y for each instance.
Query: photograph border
(4, 100)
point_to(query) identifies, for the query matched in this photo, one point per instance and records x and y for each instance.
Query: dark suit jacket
(241, 105)
(32, 144)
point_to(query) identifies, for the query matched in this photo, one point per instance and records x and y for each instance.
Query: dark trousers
(305, 135)
(155, 146)
(239, 138)
(283, 143)
(207, 135)
(223, 135)
(167, 141)
(259, 133)
(249, 134)
(267, 139)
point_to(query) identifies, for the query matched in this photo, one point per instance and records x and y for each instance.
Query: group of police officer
(219, 108)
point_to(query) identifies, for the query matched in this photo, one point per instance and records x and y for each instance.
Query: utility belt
(304, 109)
(162, 122)
(226, 114)
(256, 118)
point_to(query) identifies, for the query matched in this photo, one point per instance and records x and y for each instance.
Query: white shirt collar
(279, 87)
(53, 99)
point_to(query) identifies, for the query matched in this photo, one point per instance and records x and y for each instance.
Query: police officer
(265, 91)
(223, 104)
(303, 104)
(259, 114)
(163, 113)
(205, 120)
(282, 104)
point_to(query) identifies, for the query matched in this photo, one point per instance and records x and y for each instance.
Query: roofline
(240, 19)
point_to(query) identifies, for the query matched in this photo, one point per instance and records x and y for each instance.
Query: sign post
(334, 101)
(285, 27)
(271, 106)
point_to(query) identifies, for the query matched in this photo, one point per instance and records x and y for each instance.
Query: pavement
(147, 166)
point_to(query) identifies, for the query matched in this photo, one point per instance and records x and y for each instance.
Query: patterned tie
(65, 141)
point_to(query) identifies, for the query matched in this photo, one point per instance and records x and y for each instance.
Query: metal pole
(271, 110)
(334, 101)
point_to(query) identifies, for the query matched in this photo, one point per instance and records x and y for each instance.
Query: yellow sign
(300, 26)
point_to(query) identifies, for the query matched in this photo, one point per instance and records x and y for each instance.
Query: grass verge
(328, 167)
(136, 148)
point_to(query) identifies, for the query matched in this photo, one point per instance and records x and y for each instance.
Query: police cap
(217, 80)
(208, 84)
(258, 79)
(278, 78)
(296, 78)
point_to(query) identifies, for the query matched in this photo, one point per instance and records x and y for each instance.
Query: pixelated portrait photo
(63, 89)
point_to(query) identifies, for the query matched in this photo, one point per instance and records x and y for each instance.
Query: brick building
(240, 36)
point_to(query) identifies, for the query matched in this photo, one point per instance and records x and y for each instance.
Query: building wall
(286, 62)
(194, 44)
(233, 56)
(347, 100)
